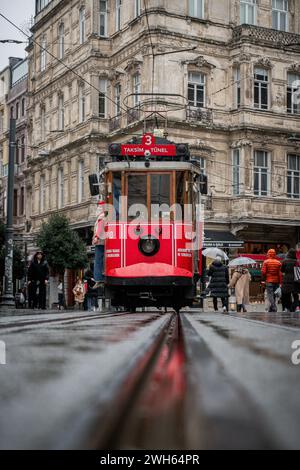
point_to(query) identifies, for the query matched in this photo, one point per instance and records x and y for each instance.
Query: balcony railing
(133, 115)
(258, 34)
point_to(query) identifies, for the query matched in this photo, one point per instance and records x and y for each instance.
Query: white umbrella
(242, 261)
(214, 252)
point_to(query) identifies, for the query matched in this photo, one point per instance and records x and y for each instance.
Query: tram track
(64, 320)
(177, 394)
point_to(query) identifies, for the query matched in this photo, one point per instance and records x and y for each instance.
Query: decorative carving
(243, 57)
(263, 62)
(241, 143)
(133, 64)
(295, 67)
(199, 62)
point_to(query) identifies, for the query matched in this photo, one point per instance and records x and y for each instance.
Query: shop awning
(221, 240)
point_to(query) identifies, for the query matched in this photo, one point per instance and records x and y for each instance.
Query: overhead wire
(71, 69)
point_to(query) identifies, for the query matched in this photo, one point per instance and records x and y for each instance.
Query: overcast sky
(19, 12)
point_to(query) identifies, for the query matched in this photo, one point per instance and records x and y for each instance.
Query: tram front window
(160, 196)
(137, 197)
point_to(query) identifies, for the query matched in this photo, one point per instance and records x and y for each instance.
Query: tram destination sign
(148, 147)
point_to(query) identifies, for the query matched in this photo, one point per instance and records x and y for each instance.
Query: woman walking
(240, 281)
(78, 292)
(290, 298)
(218, 285)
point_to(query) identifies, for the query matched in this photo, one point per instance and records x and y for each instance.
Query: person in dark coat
(38, 276)
(290, 298)
(219, 281)
(90, 294)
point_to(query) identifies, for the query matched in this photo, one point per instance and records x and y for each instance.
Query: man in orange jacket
(271, 271)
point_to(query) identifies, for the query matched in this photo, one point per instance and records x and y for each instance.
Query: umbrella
(214, 252)
(242, 261)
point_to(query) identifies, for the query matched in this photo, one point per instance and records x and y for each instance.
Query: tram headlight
(149, 245)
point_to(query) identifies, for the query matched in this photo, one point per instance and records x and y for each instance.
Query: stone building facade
(14, 103)
(235, 65)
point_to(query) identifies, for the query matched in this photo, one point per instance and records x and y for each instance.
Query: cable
(71, 69)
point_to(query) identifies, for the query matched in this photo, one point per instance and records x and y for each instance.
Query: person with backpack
(218, 284)
(271, 271)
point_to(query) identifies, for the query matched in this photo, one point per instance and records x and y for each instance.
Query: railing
(130, 116)
(115, 123)
(133, 115)
(203, 115)
(258, 34)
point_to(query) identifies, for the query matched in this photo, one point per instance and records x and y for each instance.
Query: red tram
(154, 226)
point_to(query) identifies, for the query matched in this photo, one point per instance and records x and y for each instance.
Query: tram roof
(154, 165)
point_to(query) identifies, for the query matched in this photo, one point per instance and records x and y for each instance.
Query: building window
(60, 188)
(280, 10)
(22, 201)
(248, 11)
(103, 18)
(118, 98)
(17, 159)
(80, 181)
(22, 149)
(61, 113)
(196, 8)
(136, 89)
(237, 87)
(23, 107)
(1, 121)
(61, 41)
(293, 178)
(81, 104)
(15, 202)
(40, 4)
(261, 173)
(261, 88)
(137, 8)
(236, 172)
(43, 54)
(196, 90)
(82, 25)
(293, 93)
(42, 194)
(43, 123)
(102, 97)
(118, 14)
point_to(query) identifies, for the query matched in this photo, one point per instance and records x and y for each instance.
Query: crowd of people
(281, 281)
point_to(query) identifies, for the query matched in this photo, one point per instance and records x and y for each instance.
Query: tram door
(149, 199)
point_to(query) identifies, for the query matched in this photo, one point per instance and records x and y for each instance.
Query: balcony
(264, 36)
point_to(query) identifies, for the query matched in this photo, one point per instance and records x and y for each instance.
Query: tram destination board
(148, 147)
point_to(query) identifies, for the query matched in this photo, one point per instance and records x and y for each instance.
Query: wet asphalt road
(61, 367)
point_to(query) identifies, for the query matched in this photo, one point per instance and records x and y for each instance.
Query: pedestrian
(218, 285)
(271, 271)
(38, 276)
(91, 293)
(60, 293)
(290, 290)
(240, 281)
(98, 242)
(79, 294)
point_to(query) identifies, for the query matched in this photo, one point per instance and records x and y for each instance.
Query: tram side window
(160, 196)
(137, 194)
(117, 191)
(180, 188)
